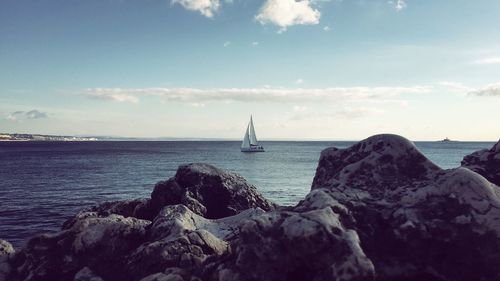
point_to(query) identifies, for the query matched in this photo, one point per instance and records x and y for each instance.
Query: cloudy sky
(317, 69)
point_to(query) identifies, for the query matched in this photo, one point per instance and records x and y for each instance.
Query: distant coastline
(35, 137)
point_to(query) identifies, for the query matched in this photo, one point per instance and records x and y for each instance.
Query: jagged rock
(6, 253)
(86, 274)
(485, 162)
(415, 220)
(127, 208)
(377, 208)
(180, 238)
(287, 245)
(209, 192)
(97, 242)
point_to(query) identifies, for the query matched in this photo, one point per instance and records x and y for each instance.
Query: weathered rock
(6, 253)
(209, 192)
(126, 208)
(100, 243)
(179, 238)
(415, 220)
(377, 208)
(286, 245)
(86, 274)
(485, 162)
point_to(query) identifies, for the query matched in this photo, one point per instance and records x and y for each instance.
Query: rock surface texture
(378, 210)
(415, 220)
(6, 253)
(485, 162)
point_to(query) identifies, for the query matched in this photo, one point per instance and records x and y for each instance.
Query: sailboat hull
(252, 149)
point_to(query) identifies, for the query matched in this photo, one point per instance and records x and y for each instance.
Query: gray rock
(126, 208)
(209, 192)
(283, 245)
(86, 274)
(485, 162)
(179, 238)
(101, 243)
(6, 254)
(416, 221)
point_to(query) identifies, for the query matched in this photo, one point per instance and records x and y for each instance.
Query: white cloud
(265, 94)
(112, 95)
(23, 115)
(299, 81)
(205, 7)
(326, 28)
(492, 60)
(197, 104)
(399, 5)
(300, 108)
(455, 86)
(492, 90)
(358, 112)
(285, 13)
(255, 43)
(342, 113)
(227, 43)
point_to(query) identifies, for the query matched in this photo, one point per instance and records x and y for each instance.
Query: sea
(44, 183)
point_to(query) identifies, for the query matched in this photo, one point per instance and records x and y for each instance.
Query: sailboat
(250, 143)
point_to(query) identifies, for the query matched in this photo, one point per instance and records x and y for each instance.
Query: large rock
(415, 220)
(208, 191)
(179, 238)
(223, 230)
(288, 245)
(99, 243)
(485, 162)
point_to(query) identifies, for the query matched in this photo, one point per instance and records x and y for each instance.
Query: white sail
(250, 143)
(253, 137)
(246, 138)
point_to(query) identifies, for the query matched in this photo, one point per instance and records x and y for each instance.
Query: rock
(127, 208)
(86, 274)
(209, 192)
(179, 238)
(415, 220)
(6, 249)
(100, 243)
(286, 245)
(6, 253)
(485, 162)
(378, 209)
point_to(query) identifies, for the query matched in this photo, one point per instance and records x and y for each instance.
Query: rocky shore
(379, 210)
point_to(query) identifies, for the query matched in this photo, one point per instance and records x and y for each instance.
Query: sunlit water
(43, 183)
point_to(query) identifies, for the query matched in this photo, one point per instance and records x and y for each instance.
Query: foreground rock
(293, 245)
(206, 190)
(222, 230)
(485, 162)
(209, 192)
(377, 210)
(415, 220)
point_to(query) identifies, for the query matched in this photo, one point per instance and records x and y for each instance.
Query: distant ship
(446, 140)
(250, 143)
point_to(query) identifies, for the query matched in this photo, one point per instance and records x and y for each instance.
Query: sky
(305, 70)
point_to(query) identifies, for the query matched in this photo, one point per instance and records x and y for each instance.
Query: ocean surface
(44, 183)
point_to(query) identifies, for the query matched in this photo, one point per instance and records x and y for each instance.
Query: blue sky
(329, 70)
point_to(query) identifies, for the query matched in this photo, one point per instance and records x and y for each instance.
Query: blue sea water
(43, 183)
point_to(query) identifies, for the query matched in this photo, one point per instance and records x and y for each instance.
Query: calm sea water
(43, 183)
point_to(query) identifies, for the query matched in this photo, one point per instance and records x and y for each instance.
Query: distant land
(35, 137)
(39, 137)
